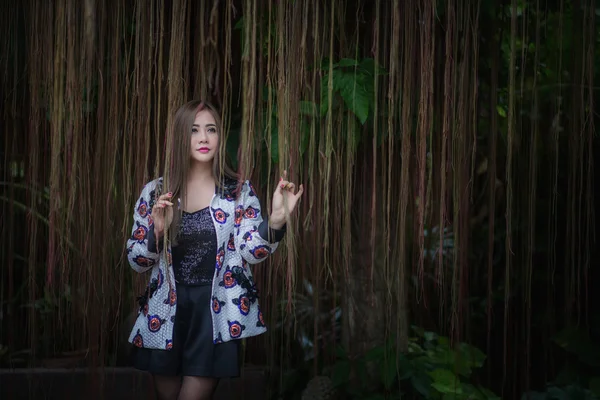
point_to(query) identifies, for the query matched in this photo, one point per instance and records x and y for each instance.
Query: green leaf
(239, 24)
(489, 395)
(356, 92)
(418, 330)
(325, 94)
(340, 352)
(421, 383)
(430, 336)
(405, 367)
(475, 356)
(304, 141)
(376, 353)
(445, 381)
(595, 386)
(443, 341)
(375, 396)
(308, 108)
(388, 371)
(347, 62)
(369, 66)
(341, 373)
(501, 111)
(578, 342)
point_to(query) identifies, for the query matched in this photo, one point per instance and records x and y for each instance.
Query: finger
(284, 175)
(282, 185)
(290, 187)
(163, 203)
(300, 191)
(166, 196)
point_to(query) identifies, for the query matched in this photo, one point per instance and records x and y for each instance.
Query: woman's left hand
(284, 199)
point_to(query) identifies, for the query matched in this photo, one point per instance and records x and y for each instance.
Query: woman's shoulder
(233, 188)
(151, 188)
(153, 184)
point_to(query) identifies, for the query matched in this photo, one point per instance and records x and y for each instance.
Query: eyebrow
(198, 126)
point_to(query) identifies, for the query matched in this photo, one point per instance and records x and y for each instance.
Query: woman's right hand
(162, 214)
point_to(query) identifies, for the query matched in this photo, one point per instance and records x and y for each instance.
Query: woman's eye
(212, 130)
(194, 130)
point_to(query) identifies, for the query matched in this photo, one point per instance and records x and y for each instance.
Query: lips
(203, 149)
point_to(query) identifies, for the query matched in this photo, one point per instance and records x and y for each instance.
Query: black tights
(186, 388)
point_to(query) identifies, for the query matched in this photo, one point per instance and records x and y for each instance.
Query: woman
(198, 230)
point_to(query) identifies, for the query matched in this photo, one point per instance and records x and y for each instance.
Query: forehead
(204, 117)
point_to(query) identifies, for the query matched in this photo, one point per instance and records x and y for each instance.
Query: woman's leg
(167, 387)
(197, 388)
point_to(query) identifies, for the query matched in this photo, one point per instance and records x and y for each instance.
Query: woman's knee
(167, 387)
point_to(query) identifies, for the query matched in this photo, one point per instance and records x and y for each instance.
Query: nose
(203, 136)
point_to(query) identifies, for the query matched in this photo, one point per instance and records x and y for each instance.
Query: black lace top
(194, 255)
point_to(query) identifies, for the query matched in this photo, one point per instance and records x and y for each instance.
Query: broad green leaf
(308, 108)
(369, 66)
(340, 352)
(421, 383)
(375, 396)
(557, 393)
(595, 386)
(376, 353)
(443, 341)
(488, 394)
(239, 24)
(388, 371)
(475, 356)
(347, 62)
(305, 129)
(430, 336)
(445, 381)
(578, 342)
(501, 111)
(274, 146)
(355, 92)
(341, 373)
(325, 94)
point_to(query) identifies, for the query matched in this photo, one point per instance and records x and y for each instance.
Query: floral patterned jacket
(242, 238)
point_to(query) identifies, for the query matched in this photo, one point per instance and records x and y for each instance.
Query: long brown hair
(178, 164)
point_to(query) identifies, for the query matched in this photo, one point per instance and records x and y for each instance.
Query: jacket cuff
(152, 245)
(269, 234)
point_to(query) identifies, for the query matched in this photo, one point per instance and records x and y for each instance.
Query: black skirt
(193, 352)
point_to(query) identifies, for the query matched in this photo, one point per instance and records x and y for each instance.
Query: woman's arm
(142, 249)
(254, 240)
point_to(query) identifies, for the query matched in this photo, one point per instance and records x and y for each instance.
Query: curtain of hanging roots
(441, 197)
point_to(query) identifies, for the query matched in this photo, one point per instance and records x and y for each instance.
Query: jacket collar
(229, 189)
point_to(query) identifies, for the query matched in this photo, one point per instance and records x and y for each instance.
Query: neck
(200, 172)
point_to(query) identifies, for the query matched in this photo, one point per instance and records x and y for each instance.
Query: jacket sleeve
(254, 240)
(142, 250)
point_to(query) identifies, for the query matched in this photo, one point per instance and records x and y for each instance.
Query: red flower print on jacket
(143, 208)
(251, 213)
(143, 261)
(228, 280)
(235, 329)
(155, 323)
(140, 233)
(260, 252)
(243, 304)
(217, 305)
(138, 340)
(220, 215)
(238, 216)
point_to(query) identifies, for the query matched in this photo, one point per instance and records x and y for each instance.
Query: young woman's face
(205, 137)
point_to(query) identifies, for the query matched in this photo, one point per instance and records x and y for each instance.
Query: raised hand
(284, 199)
(162, 214)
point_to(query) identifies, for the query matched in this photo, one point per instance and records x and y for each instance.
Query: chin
(203, 158)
